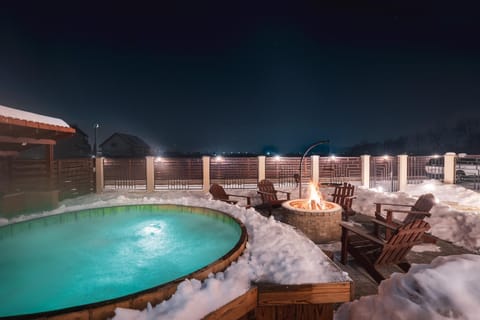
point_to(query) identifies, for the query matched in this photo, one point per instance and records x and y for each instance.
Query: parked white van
(465, 167)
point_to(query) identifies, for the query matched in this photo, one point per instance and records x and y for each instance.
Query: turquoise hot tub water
(94, 255)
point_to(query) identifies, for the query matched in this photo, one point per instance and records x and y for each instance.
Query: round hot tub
(86, 263)
(320, 225)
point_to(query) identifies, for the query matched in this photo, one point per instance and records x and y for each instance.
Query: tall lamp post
(95, 127)
(301, 161)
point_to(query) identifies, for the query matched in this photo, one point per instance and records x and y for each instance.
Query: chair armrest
(386, 225)
(347, 197)
(240, 196)
(389, 215)
(428, 214)
(265, 192)
(361, 232)
(393, 204)
(286, 192)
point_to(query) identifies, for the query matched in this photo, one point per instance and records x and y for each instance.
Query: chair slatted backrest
(270, 192)
(218, 192)
(423, 204)
(342, 195)
(406, 236)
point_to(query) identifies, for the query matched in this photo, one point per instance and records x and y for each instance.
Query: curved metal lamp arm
(301, 161)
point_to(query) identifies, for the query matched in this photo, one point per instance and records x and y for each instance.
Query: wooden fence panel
(72, 177)
(234, 172)
(339, 169)
(384, 173)
(282, 170)
(178, 173)
(75, 177)
(5, 175)
(125, 173)
(29, 175)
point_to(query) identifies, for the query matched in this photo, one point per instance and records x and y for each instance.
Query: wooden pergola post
(49, 165)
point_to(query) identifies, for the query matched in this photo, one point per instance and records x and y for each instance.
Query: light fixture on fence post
(301, 161)
(95, 127)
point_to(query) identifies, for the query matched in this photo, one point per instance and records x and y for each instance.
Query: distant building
(75, 146)
(125, 145)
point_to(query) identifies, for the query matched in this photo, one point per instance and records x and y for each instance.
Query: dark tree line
(463, 137)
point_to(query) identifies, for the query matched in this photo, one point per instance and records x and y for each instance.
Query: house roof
(128, 138)
(20, 130)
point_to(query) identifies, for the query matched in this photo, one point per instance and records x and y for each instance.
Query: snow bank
(445, 289)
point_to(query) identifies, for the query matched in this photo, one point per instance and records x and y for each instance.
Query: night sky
(244, 76)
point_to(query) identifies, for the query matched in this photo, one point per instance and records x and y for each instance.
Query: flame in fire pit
(315, 201)
(314, 204)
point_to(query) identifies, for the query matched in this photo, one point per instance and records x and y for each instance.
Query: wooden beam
(25, 140)
(237, 308)
(49, 162)
(36, 125)
(317, 293)
(8, 153)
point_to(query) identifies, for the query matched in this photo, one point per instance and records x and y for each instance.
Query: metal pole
(95, 127)
(301, 160)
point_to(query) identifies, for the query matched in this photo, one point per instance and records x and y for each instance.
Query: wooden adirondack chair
(269, 196)
(219, 193)
(268, 193)
(371, 251)
(343, 195)
(419, 210)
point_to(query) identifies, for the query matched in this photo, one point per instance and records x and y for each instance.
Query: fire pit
(319, 220)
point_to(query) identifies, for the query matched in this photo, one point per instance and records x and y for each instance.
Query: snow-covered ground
(276, 253)
(447, 288)
(455, 217)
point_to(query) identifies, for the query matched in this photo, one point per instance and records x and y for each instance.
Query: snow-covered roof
(20, 130)
(30, 116)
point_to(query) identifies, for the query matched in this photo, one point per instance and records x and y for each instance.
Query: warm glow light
(385, 157)
(379, 189)
(436, 156)
(277, 158)
(332, 157)
(218, 158)
(315, 200)
(158, 159)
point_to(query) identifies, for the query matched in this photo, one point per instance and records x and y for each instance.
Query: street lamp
(95, 127)
(301, 160)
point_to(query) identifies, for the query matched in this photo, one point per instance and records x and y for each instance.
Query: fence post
(150, 174)
(402, 172)
(315, 168)
(206, 173)
(365, 168)
(261, 168)
(99, 174)
(449, 168)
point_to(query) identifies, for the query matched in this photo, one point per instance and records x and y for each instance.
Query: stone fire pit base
(321, 226)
